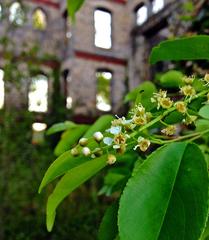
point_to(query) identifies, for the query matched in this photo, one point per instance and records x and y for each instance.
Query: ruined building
(101, 56)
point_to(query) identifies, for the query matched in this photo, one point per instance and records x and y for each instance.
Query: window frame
(47, 93)
(46, 19)
(14, 20)
(152, 4)
(137, 8)
(3, 90)
(106, 10)
(105, 70)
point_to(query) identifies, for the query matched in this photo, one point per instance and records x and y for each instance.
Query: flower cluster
(188, 90)
(117, 134)
(133, 131)
(162, 100)
(139, 115)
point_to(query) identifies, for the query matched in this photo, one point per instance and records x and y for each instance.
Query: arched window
(39, 19)
(16, 14)
(38, 94)
(2, 90)
(103, 28)
(157, 5)
(103, 97)
(141, 14)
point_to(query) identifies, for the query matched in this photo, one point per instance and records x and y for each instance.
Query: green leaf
(199, 85)
(69, 182)
(101, 125)
(167, 197)
(205, 235)
(204, 112)
(196, 104)
(171, 79)
(59, 127)
(173, 117)
(188, 48)
(60, 166)
(70, 138)
(142, 94)
(73, 6)
(108, 229)
(202, 125)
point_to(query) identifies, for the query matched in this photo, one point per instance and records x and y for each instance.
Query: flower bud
(83, 142)
(111, 159)
(98, 152)
(74, 152)
(98, 136)
(86, 151)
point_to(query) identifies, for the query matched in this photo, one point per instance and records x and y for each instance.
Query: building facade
(102, 55)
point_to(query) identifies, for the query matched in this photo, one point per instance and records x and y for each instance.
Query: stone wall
(84, 58)
(50, 44)
(73, 45)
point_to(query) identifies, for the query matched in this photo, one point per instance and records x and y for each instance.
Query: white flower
(108, 141)
(114, 130)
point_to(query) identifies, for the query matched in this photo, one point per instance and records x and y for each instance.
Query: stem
(194, 135)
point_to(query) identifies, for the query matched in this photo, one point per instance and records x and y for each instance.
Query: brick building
(102, 55)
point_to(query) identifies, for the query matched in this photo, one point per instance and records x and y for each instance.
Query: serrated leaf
(60, 166)
(204, 112)
(188, 48)
(70, 138)
(108, 229)
(69, 182)
(101, 125)
(59, 127)
(167, 197)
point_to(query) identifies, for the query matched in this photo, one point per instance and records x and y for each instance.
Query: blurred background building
(99, 57)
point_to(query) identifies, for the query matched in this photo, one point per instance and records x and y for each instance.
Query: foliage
(188, 48)
(171, 79)
(22, 166)
(157, 163)
(74, 6)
